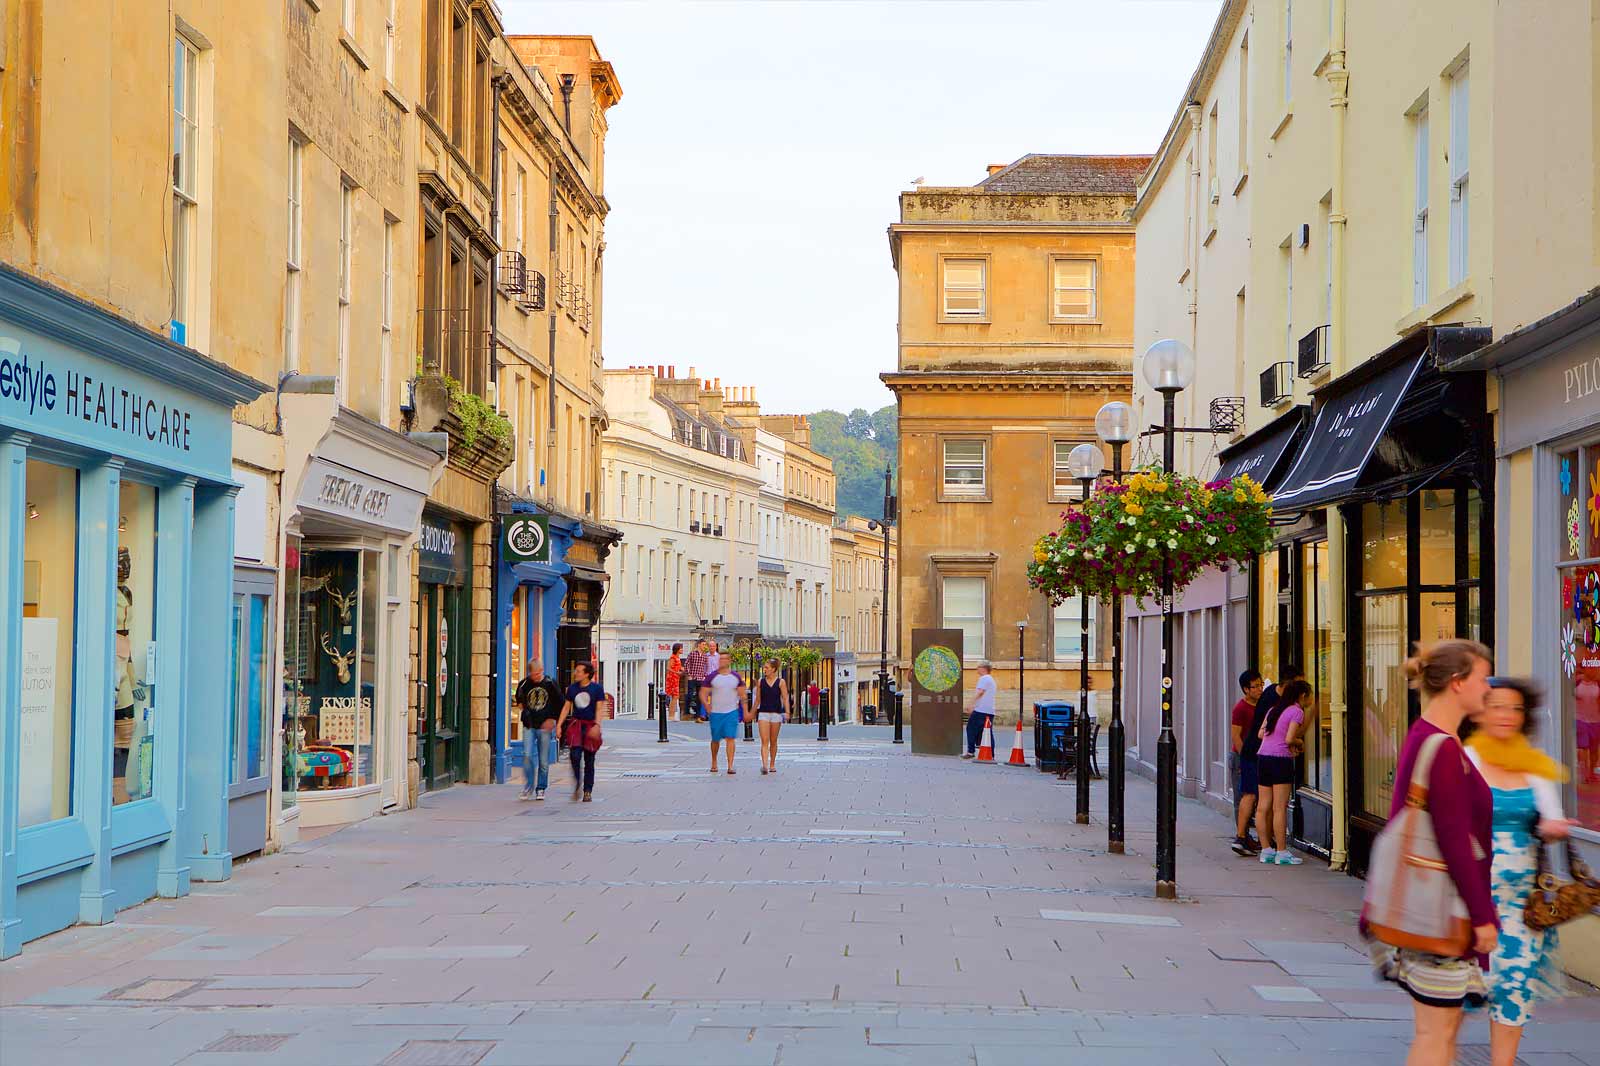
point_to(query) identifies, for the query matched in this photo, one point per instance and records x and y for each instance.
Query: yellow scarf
(1517, 755)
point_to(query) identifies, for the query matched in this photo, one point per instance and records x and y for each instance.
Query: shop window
(252, 686)
(336, 615)
(295, 668)
(1436, 540)
(49, 595)
(1270, 633)
(1384, 697)
(1383, 546)
(1578, 618)
(964, 609)
(133, 692)
(1316, 635)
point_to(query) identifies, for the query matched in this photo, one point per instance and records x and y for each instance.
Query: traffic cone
(1017, 758)
(986, 748)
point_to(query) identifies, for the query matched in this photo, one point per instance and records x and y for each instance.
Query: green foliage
(477, 418)
(860, 443)
(1125, 537)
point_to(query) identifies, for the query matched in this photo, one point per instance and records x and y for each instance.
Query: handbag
(1411, 901)
(1554, 900)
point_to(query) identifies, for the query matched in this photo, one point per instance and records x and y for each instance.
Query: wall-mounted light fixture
(33, 511)
(122, 526)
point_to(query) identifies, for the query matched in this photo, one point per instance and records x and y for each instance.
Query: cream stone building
(680, 487)
(861, 606)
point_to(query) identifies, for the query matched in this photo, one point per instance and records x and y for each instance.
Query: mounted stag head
(345, 602)
(341, 663)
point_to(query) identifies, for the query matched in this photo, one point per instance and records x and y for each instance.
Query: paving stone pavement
(864, 906)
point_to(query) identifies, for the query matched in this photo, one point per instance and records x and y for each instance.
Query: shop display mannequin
(128, 697)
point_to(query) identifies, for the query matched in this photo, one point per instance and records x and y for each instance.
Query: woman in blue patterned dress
(1527, 807)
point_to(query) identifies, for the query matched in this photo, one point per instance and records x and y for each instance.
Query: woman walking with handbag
(772, 707)
(1428, 910)
(580, 718)
(1527, 807)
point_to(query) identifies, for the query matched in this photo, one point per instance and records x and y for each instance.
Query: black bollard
(822, 716)
(661, 717)
(650, 704)
(899, 717)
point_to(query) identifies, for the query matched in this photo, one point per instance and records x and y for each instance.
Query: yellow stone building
(860, 608)
(1015, 325)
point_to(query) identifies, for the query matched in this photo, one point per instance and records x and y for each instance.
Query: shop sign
(630, 649)
(525, 538)
(350, 495)
(1550, 397)
(345, 720)
(444, 551)
(61, 393)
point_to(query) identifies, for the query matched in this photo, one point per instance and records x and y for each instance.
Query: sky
(754, 163)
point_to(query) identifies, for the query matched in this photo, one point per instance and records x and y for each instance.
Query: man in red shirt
(1243, 764)
(675, 677)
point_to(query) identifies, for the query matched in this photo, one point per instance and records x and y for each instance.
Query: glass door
(443, 726)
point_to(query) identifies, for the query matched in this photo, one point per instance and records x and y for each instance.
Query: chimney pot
(995, 168)
(692, 373)
(716, 383)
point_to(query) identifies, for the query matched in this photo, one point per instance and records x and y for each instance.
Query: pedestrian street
(864, 905)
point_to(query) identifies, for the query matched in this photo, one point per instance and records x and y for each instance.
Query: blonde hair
(1432, 668)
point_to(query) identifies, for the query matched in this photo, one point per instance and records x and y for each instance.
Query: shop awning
(1265, 454)
(1390, 425)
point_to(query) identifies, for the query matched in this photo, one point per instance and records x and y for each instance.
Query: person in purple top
(1453, 679)
(1275, 772)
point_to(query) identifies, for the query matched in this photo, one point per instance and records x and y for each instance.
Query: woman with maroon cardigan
(1453, 679)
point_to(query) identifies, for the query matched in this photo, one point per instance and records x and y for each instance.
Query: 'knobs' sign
(526, 539)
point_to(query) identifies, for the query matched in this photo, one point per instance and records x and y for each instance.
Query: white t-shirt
(724, 692)
(986, 691)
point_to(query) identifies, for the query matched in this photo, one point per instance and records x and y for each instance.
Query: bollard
(661, 717)
(650, 704)
(822, 716)
(899, 717)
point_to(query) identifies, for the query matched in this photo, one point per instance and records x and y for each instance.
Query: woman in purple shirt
(1275, 772)
(1453, 679)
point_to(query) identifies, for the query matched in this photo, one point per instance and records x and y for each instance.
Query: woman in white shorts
(772, 709)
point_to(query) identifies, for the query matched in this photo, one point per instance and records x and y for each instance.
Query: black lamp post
(1084, 464)
(884, 526)
(1169, 369)
(1022, 685)
(753, 670)
(1114, 424)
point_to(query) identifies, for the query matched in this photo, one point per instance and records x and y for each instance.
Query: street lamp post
(1084, 463)
(1022, 687)
(752, 670)
(1169, 369)
(1114, 424)
(884, 525)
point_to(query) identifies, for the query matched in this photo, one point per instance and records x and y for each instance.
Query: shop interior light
(122, 526)
(33, 511)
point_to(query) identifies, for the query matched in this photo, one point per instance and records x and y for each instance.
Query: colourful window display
(1578, 627)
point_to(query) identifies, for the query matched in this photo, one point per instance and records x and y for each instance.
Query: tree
(860, 444)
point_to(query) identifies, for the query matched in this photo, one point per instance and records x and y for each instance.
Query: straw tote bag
(1411, 901)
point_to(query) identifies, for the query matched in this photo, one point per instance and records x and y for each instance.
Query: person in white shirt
(982, 709)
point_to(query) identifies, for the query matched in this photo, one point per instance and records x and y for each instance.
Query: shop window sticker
(1594, 502)
(1566, 477)
(1569, 654)
(1574, 530)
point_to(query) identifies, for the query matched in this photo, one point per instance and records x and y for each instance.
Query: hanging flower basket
(1118, 542)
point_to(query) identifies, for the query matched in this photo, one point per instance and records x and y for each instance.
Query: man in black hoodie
(539, 700)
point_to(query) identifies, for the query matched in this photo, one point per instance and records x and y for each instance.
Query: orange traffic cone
(1017, 758)
(986, 748)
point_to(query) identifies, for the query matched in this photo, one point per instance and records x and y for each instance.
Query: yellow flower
(1238, 495)
(1134, 509)
(1040, 555)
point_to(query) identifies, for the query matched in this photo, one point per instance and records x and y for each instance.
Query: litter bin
(869, 714)
(1052, 735)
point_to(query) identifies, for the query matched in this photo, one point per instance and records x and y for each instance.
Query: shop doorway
(574, 644)
(444, 724)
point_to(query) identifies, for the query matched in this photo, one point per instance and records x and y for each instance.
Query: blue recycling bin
(1052, 734)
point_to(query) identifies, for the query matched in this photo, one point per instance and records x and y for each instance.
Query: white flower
(1151, 542)
(1211, 540)
(1172, 542)
(1130, 548)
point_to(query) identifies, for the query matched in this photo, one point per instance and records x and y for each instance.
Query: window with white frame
(1460, 121)
(347, 198)
(185, 186)
(966, 467)
(965, 608)
(519, 192)
(1419, 214)
(1072, 286)
(1068, 629)
(1064, 484)
(964, 291)
(291, 284)
(347, 17)
(389, 43)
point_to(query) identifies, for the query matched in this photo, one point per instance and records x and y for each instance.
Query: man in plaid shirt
(694, 672)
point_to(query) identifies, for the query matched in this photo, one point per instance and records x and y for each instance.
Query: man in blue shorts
(722, 694)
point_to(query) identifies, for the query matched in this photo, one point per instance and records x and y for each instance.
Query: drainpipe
(1202, 204)
(496, 718)
(1338, 76)
(550, 306)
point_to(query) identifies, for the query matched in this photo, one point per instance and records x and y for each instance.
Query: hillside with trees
(860, 444)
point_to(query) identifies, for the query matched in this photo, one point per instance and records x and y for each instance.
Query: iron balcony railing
(1277, 383)
(1227, 414)
(1313, 352)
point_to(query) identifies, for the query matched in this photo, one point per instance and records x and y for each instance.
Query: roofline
(1200, 82)
(1009, 167)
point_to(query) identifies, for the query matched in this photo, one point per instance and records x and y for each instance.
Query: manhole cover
(440, 1053)
(247, 1042)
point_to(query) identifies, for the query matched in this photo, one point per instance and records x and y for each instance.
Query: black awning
(1263, 454)
(1347, 427)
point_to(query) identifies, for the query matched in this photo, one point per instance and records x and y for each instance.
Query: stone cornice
(1008, 381)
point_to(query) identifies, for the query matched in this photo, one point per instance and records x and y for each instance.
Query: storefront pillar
(203, 845)
(1338, 699)
(99, 487)
(173, 554)
(13, 512)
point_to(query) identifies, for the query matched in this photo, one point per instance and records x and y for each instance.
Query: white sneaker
(1269, 856)
(539, 795)
(1287, 858)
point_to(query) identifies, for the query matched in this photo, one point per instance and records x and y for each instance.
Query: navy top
(585, 700)
(768, 697)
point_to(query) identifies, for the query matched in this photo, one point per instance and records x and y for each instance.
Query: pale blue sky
(755, 159)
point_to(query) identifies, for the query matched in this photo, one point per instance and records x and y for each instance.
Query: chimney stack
(995, 168)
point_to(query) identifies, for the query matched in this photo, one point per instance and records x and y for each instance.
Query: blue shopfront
(116, 569)
(531, 546)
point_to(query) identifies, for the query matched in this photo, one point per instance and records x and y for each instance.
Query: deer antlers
(344, 601)
(341, 662)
